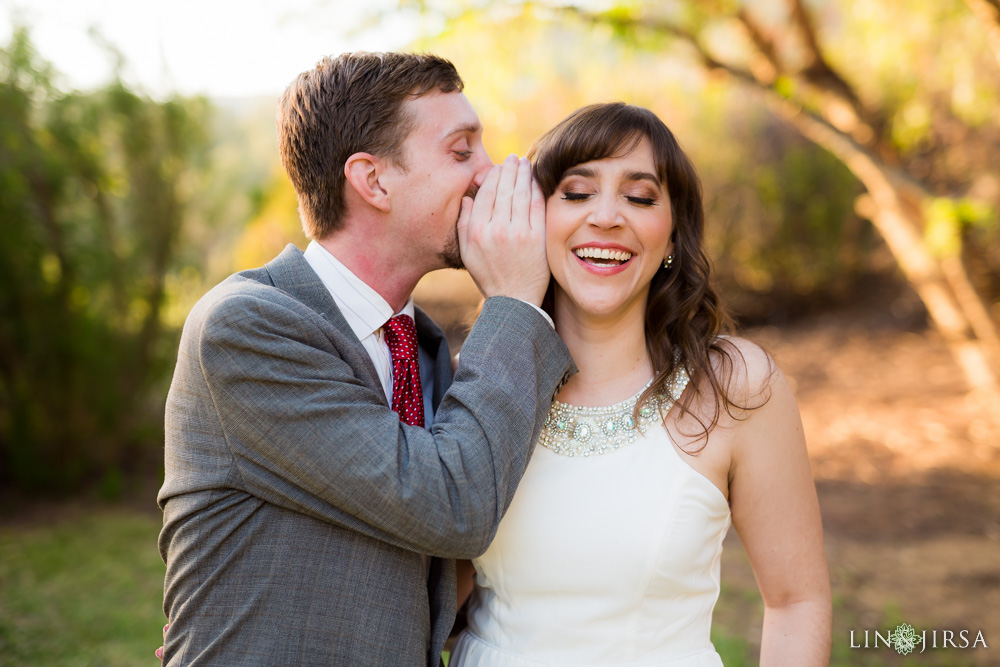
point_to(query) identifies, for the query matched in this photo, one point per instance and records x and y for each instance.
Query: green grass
(87, 589)
(83, 590)
(733, 650)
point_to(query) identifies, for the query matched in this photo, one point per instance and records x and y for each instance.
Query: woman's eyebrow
(580, 170)
(587, 172)
(642, 176)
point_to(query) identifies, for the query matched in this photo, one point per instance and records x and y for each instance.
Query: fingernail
(165, 627)
(159, 653)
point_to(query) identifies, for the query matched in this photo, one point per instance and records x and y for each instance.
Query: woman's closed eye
(632, 199)
(462, 156)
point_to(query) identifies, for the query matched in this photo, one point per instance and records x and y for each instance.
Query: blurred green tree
(94, 189)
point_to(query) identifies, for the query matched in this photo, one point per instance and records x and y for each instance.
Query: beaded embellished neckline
(571, 430)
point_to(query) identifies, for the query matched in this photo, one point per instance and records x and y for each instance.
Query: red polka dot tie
(407, 397)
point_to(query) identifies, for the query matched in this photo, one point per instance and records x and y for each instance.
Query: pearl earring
(668, 262)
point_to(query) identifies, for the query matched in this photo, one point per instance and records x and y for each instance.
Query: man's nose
(483, 166)
(485, 163)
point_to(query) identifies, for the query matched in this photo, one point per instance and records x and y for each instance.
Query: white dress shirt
(366, 313)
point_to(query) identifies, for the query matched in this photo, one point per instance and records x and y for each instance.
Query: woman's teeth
(603, 256)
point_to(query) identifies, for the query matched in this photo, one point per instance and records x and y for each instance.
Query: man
(298, 505)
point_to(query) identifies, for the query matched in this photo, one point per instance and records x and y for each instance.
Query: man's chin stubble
(451, 255)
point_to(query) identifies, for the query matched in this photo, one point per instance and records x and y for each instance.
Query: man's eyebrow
(471, 128)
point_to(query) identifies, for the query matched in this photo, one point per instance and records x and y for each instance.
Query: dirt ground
(907, 467)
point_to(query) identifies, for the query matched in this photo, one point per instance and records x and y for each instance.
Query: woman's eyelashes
(635, 200)
(462, 156)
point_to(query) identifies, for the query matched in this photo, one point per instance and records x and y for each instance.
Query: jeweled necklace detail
(574, 431)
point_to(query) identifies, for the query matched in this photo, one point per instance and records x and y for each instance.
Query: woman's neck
(610, 353)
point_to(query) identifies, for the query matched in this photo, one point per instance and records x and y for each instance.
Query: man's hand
(502, 234)
(159, 651)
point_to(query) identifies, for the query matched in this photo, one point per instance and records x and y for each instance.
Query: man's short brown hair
(345, 105)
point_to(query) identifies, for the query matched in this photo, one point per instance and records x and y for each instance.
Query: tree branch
(988, 12)
(662, 26)
(818, 71)
(764, 44)
(843, 105)
(746, 76)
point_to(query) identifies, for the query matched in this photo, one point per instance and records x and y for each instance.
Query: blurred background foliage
(112, 203)
(120, 210)
(95, 189)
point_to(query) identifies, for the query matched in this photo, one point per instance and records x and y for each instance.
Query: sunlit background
(848, 153)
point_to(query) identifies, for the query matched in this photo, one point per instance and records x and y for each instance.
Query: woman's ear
(363, 171)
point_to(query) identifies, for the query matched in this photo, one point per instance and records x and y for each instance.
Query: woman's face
(607, 228)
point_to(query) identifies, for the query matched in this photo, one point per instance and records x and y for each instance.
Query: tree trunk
(897, 224)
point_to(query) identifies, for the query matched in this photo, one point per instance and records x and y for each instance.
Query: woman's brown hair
(684, 318)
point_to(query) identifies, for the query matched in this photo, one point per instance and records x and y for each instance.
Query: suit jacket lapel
(434, 341)
(291, 273)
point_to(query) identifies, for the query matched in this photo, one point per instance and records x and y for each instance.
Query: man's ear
(363, 171)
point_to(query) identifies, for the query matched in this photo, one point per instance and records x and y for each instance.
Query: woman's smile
(604, 258)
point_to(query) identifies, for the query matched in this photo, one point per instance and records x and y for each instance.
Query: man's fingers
(464, 215)
(507, 258)
(159, 651)
(505, 189)
(536, 216)
(482, 208)
(521, 206)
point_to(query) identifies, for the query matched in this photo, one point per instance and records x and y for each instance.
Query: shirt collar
(364, 309)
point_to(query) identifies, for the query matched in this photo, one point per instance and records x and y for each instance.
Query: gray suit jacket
(296, 506)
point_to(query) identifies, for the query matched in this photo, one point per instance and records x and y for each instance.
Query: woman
(610, 551)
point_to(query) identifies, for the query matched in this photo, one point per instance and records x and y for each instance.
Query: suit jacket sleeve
(305, 434)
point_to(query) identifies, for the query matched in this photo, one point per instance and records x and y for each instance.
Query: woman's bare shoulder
(745, 369)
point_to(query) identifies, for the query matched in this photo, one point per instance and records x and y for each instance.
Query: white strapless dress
(608, 559)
